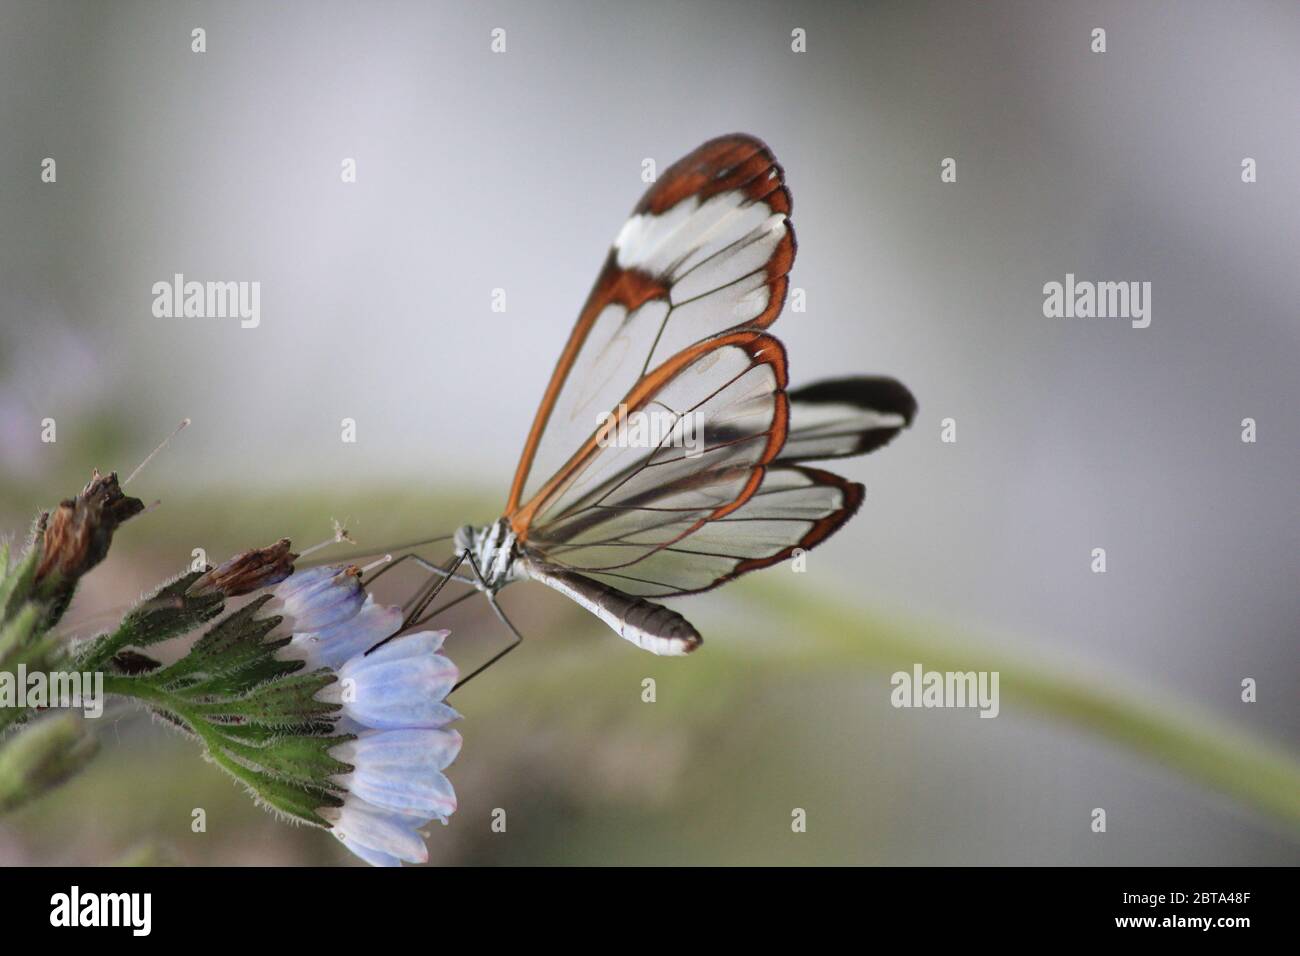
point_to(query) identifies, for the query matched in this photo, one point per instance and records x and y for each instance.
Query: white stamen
(341, 534)
(316, 547)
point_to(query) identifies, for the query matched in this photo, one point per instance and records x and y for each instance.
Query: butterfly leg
(414, 608)
(517, 638)
(417, 605)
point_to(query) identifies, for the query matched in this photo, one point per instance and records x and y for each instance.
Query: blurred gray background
(479, 170)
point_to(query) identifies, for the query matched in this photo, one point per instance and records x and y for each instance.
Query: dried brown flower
(249, 571)
(78, 534)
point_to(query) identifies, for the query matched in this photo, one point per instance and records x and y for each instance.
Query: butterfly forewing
(705, 251)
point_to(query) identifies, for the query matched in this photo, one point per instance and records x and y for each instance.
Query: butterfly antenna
(364, 553)
(340, 535)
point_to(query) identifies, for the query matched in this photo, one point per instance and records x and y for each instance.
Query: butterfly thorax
(494, 551)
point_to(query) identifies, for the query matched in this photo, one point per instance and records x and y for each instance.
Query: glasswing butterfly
(675, 327)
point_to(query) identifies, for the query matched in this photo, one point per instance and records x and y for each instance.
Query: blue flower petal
(322, 600)
(309, 578)
(401, 685)
(401, 770)
(371, 856)
(383, 833)
(334, 646)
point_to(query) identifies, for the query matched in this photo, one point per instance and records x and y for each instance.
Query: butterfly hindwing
(842, 417)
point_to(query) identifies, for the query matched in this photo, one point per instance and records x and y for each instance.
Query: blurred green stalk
(831, 635)
(41, 757)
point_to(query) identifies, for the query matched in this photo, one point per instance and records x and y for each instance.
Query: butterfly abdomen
(651, 626)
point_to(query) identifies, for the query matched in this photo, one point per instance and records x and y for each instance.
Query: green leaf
(168, 612)
(247, 678)
(258, 734)
(286, 702)
(232, 645)
(304, 759)
(295, 799)
(257, 716)
(287, 766)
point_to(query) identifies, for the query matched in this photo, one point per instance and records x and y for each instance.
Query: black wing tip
(877, 392)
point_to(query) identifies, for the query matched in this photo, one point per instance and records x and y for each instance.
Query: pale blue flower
(318, 598)
(347, 638)
(402, 684)
(306, 580)
(380, 837)
(394, 698)
(400, 771)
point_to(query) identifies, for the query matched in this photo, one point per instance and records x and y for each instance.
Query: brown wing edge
(734, 161)
(614, 286)
(823, 528)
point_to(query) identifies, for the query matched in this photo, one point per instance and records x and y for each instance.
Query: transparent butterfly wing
(706, 250)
